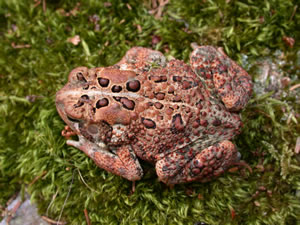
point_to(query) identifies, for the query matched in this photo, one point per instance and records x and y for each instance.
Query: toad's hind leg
(223, 77)
(124, 163)
(178, 167)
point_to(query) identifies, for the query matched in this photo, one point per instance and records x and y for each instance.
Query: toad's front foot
(67, 132)
(123, 163)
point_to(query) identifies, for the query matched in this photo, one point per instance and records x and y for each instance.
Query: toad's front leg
(192, 164)
(123, 163)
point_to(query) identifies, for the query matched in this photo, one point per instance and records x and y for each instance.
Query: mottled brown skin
(177, 116)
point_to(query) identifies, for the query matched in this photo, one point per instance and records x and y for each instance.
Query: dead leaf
(129, 6)
(294, 87)
(20, 46)
(158, 8)
(200, 197)
(72, 12)
(232, 212)
(233, 169)
(74, 40)
(139, 27)
(107, 4)
(256, 203)
(289, 41)
(155, 40)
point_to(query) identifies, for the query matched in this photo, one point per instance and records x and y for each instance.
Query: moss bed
(36, 56)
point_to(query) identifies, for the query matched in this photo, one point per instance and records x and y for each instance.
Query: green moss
(32, 149)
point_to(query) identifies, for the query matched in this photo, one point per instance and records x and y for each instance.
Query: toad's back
(156, 111)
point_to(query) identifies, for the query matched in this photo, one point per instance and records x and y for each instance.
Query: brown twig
(133, 187)
(36, 4)
(262, 112)
(87, 218)
(294, 12)
(14, 45)
(36, 178)
(294, 87)
(53, 221)
(44, 5)
(154, 4)
(243, 164)
(297, 147)
(158, 8)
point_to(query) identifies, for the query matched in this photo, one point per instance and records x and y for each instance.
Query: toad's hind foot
(203, 166)
(141, 58)
(223, 77)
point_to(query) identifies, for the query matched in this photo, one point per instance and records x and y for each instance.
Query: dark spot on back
(149, 104)
(117, 98)
(159, 79)
(148, 123)
(103, 82)
(116, 88)
(84, 97)
(216, 122)
(160, 96)
(177, 124)
(177, 78)
(85, 87)
(133, 85)
(171, 90)
(186, 85)
(102, 103)
(158, 105)
(177, 98)
(127, 104)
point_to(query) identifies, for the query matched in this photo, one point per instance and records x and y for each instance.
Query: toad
(179, 117)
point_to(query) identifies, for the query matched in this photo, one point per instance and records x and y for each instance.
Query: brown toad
(177, 116)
